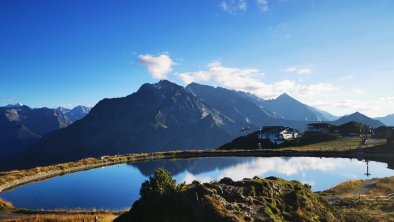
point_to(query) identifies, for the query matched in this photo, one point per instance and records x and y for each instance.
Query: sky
(336, 55)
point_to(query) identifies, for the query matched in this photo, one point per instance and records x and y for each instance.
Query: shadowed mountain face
(22, 126)
(162, 116)
(360, 118)
(231, 104)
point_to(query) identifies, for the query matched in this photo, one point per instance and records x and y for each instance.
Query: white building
(278, 134)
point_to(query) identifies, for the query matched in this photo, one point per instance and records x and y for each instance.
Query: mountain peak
(16, 105)
(359, 117)
(162, 85)
(165, 82)
(285, 97)
(358, 114)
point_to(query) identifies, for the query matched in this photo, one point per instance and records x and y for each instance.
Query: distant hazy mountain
(75, 113)
(360, 118)
(387, 120)
(286, 107)
(161, 116)
(39, 121)
(21, 126)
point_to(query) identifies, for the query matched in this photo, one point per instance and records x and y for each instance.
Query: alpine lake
(116, 187)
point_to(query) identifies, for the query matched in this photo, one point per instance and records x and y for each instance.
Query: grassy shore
(5, 204)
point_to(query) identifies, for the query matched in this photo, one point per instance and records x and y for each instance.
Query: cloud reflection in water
(262, 166)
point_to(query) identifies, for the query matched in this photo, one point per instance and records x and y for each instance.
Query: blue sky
(336, 55)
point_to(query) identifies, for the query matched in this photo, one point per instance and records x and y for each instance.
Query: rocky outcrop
(270, 199)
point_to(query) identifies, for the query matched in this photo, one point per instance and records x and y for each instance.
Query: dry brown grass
(5, 204)
(374, 187)
(383, 186)
(61, 218)
(347, 187)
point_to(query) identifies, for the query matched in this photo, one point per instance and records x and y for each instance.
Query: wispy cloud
(358, 92)
(387, 99)
(347, 77)
(370, 108)
(280, 31)
(348, 104)
(299, 70)
(248, 80)
(7, 100)
(158, 66)
(263, 5)
(234, 6)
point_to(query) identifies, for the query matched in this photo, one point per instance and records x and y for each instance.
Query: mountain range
(165, 116)
(22, 126)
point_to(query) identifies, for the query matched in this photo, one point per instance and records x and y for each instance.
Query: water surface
(117, 187)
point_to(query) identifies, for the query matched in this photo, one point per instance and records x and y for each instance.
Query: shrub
(160, 183)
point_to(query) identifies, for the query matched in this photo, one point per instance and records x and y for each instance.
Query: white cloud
(280, 31)
(7, 100)
(347, 77)
(371, 108)
(263, 5)
(158, 66)
(189, 178)
(386, 99)
(299, 70)
(234, 6)
(358, 92)
(248, 80)
(346, 103)
(262, 166)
